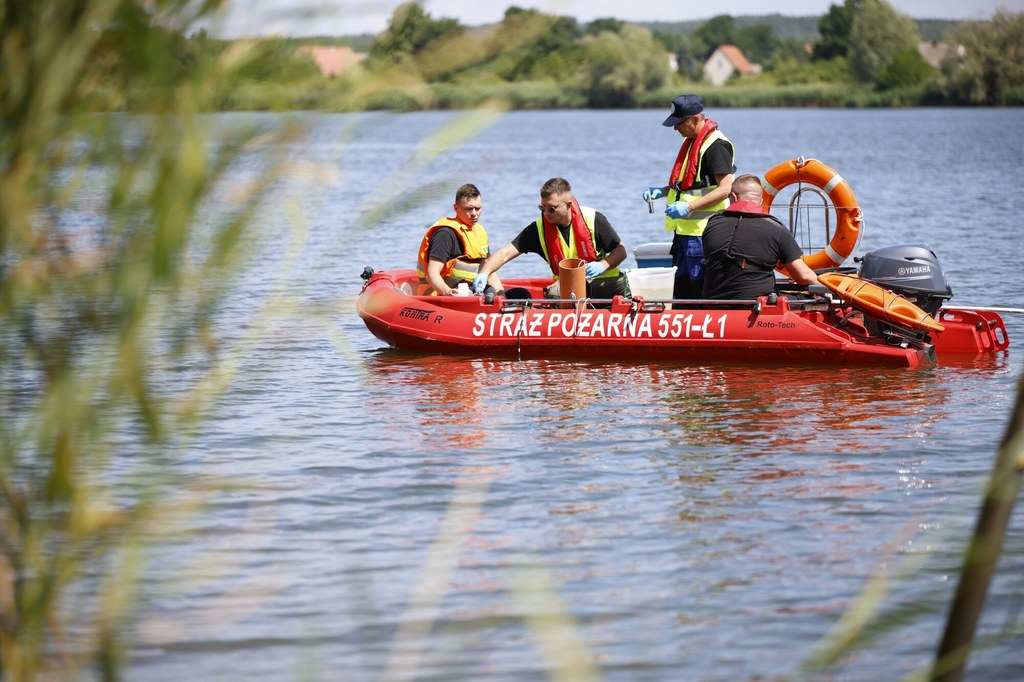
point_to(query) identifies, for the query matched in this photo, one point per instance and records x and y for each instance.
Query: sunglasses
(551, 209)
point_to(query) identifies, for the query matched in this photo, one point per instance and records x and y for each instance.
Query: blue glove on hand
(594, 269)
(479, 283)
(680, 209)
(653, 193)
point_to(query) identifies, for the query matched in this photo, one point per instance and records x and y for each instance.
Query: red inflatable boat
(891, 311)
(800, 329)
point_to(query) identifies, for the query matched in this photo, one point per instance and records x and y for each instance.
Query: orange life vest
(461, 268)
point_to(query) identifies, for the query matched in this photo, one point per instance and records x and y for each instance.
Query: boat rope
(994, 309)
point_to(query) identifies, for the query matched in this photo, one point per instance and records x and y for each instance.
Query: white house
(725, 61)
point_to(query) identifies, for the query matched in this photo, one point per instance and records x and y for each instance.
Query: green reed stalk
(98, 267)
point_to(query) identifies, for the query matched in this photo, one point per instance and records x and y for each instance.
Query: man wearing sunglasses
(698, 187)
(566, 230)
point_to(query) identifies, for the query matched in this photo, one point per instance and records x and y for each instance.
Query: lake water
(408, 517)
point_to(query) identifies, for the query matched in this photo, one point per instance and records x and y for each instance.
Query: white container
(462, 289)
(652, 283)
(653, 255)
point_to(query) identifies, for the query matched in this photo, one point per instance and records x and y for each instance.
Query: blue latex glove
(653, 193)
(680, 209)
(479, 283)
(594, 269)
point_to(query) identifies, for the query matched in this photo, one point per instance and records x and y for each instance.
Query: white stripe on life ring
(836, 257)
(836, 180)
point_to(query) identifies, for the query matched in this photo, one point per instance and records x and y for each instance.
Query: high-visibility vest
(461, 268)
(693, 224)
(569, 250)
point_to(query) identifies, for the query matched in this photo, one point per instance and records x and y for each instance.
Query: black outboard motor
(912, 271)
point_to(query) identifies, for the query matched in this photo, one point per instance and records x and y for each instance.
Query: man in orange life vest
(453, 248)
(743, 244)
(566, 230)
(698, 187)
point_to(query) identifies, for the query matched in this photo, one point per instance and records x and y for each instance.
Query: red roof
(736, 58)
(333, 61)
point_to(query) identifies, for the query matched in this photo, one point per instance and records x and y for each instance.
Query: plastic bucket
(652, 283)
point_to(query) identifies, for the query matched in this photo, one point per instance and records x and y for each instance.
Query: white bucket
(652, 283)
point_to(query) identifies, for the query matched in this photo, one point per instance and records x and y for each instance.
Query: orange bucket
(572, 279)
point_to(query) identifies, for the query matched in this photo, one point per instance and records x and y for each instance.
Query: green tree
(878, 34)
(683, 47)
(277, 61)
(758, 43)
(834, 30)
(409, 31)
(987, 66)
(532, 45)
(618, 66)
(719, 30)
(906, 68)
(604, 25)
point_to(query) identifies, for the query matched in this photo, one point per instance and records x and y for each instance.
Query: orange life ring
(825, 178)
(879, 301)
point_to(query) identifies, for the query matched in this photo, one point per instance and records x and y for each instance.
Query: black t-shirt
(740, 254)
(445, 245)
(717, 160)
(605, 237)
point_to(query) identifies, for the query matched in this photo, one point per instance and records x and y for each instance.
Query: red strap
(552, 239)
(690, 152)
(745, 206)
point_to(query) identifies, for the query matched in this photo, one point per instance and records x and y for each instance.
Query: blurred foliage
(834, 28)
(618, 66)
(410, 31)
(878, 33)
(905, 68)
(420, 61)
(102, 289)
(987, 65)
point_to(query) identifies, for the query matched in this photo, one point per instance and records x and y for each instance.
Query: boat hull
(782, 332)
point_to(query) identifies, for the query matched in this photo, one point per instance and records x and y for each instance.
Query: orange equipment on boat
(827, 179)
(879, 301)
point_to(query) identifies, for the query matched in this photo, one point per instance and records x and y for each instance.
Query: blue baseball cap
(684, 106)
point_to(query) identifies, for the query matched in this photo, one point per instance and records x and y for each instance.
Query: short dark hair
(555, 186)
(467, 191)
(747, 185)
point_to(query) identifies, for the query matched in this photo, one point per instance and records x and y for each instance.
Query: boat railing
(661, 304)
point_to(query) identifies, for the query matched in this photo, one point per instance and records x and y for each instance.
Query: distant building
(725, 61)
(333, 61)
(934, 52)
(673, 61)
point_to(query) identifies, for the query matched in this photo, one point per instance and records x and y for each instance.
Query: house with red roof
(726, 61)
(333, 61)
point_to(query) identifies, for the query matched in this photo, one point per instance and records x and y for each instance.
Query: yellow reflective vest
(693, 224)
(569, 250)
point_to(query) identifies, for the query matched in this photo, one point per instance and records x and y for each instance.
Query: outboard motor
(910, 270)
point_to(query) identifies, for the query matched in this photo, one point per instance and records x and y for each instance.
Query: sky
(250, 18)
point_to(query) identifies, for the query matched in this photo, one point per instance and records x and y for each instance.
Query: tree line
(863, 49)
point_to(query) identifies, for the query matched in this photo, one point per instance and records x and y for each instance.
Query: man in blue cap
(698, 187)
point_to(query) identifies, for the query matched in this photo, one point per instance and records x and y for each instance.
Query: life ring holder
(827, 179)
